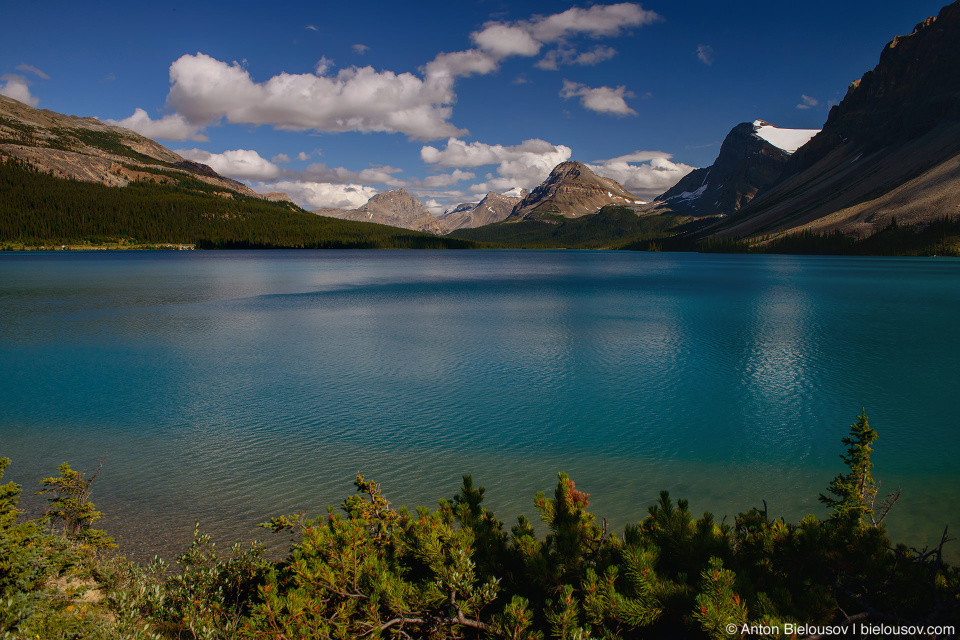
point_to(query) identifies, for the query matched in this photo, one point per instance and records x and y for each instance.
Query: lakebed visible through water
(229, 387)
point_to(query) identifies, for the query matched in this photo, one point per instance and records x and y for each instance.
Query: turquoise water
(227, 387)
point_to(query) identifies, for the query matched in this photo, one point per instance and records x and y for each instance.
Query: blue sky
(335, 101)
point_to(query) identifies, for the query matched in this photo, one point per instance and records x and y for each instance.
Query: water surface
(228, 387)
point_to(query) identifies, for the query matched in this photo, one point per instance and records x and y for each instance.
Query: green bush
(375, 571)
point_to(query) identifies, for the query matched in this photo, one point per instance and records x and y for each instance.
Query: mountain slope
(890, 149)
(494, 207)
(395, 208)
(572, 190)
(88, 150)
(751, 157)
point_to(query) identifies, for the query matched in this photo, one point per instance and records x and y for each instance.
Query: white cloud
(599, 99)
(29, 68)
(170, 127)
(280, 158)
(239, 164)
(646, 174)
(435, 207)
(311, 27)
(562, 56)
(323, 65)
(447, 179)
(319, 172)
(504, 40)
(303, 155)
(705, 54)
(525, 165)
(597, 21)
(527, 37)
(17, 87)
(204, 89)
(807, 102)
(314, 195)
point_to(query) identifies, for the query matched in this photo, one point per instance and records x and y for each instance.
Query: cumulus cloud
(525, 165)
(319, 172)
(705, 54)
(204, 90)
(562, 56)
(280, 158)
(447, 179)
(434, 206)
(303, 155)
(29, 68)
(646, 174)
(527, 37)
(239, 164)
(323, 65)
(597, 21)
(315, 195)
(807, 102)
(599, 99)
(17, 87)
(499, 40)
(504, 40)
(170, 127)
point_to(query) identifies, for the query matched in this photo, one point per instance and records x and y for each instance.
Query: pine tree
(855, 491)
(71, 504)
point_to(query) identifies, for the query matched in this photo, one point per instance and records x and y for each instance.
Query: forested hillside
(37, 209)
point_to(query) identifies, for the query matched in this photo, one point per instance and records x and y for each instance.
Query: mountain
(88, 150)
(751, 157)
(493, 208)
(890, 150)
(395, 208)
(571, 190)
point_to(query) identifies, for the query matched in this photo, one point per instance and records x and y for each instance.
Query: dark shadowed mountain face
(914, 88)
(572, 190)
(890, 149)
(751, 157)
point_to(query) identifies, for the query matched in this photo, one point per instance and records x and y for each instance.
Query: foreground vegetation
(40, 210)
(374, 571)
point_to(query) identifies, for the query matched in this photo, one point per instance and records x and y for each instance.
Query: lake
(229, 387)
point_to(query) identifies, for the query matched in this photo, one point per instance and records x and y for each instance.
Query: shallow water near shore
(229, 387)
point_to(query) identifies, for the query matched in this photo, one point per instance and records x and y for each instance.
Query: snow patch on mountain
(787, 139)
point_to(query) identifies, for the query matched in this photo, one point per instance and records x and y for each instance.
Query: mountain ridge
(86, 149)
(890, 149)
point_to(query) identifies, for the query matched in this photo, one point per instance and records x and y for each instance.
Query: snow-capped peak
(787, 139)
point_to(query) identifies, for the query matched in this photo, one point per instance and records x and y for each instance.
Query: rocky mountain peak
(751, 157)
(495, 207)
(572, 190)
(395, 208)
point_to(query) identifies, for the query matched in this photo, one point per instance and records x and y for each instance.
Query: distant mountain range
(495, 207)
(572, 190)
(889, 152)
